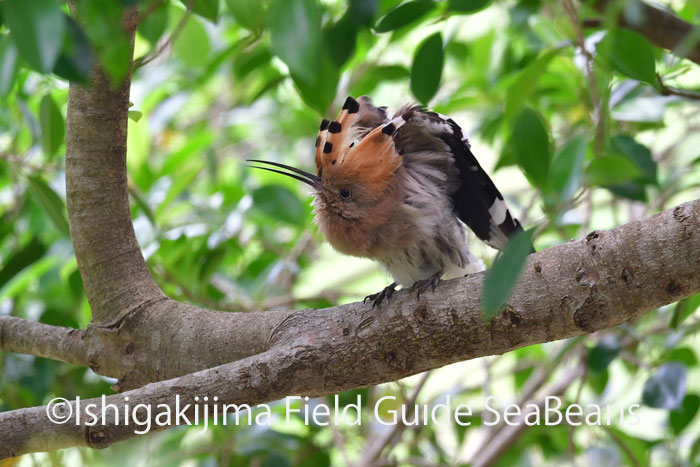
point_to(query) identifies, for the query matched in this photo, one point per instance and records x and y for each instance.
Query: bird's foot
(378, 298)
(424, 284)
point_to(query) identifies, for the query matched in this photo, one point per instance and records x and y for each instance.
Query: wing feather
(476, 200)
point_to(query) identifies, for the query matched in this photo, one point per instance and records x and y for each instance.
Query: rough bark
(576, 288)
(55, 342)
(117, 281)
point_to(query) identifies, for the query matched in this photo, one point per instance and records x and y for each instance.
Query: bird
(402, 190)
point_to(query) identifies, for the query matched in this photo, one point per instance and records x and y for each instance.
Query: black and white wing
(476, 200)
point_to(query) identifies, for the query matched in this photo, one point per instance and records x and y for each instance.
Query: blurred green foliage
(569, 120)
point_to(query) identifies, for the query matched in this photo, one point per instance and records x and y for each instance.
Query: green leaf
(522, 87)
(426, 70)
(320, 92)
(362, 11)
(633, 190)
(598, 381)
(638, 154)
(145, 207)
(404, 14)
(102, 23)
(279, 203)
(19, 260)
(52, 126)
(666, 389)
(604, 352)
(295, 29)
(340, 40)
(193, 148)
(251, 60)
(251, 14)
(135, 115)
(30, 120)
(611, 170)
(192, 45)
(520, 377)
(467, 6)
(8, 64)
(154, 24)
(138, 146)
(374, 76)
(208, 9)
(681, 418)
(458, 50)
(211, 261)
(180, 184)
(75, 283)
(37, 29)
(684, 355)
(529, 143)
(683, 309)
(50, 203)
(501, 278)
(567, 166)
(629, 53)
(75, 61)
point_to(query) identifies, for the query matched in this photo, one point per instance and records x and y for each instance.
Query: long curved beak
(299, 174)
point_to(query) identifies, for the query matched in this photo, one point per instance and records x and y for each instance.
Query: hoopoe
(400, 191)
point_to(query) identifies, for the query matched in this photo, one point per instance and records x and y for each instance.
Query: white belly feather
(426, 258)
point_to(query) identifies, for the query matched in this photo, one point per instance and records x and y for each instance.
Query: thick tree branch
(54, 342)
(662, 28)
(137, 335)
(576, 288)
(117, 281)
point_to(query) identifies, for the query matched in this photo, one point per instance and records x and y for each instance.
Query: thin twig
(536, 380)
(21, 162)
(599, 110)
(167, 43)
(622, 446)
(392, 436)
(577, 398)
(499, 444)
(669, 91)
(592, 23)
(339, 441)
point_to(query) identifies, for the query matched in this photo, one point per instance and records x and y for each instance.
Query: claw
(431, 282)
(378, 298)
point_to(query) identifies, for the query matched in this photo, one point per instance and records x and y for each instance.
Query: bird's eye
(345, 193)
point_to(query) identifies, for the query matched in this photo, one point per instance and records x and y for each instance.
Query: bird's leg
(377, 298)
(422, 285)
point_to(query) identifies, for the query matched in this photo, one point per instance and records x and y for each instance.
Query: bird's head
(355, 166)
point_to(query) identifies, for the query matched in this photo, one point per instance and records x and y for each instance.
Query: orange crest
(357, 144)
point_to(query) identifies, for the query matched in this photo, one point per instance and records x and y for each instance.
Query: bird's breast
(373, 236)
